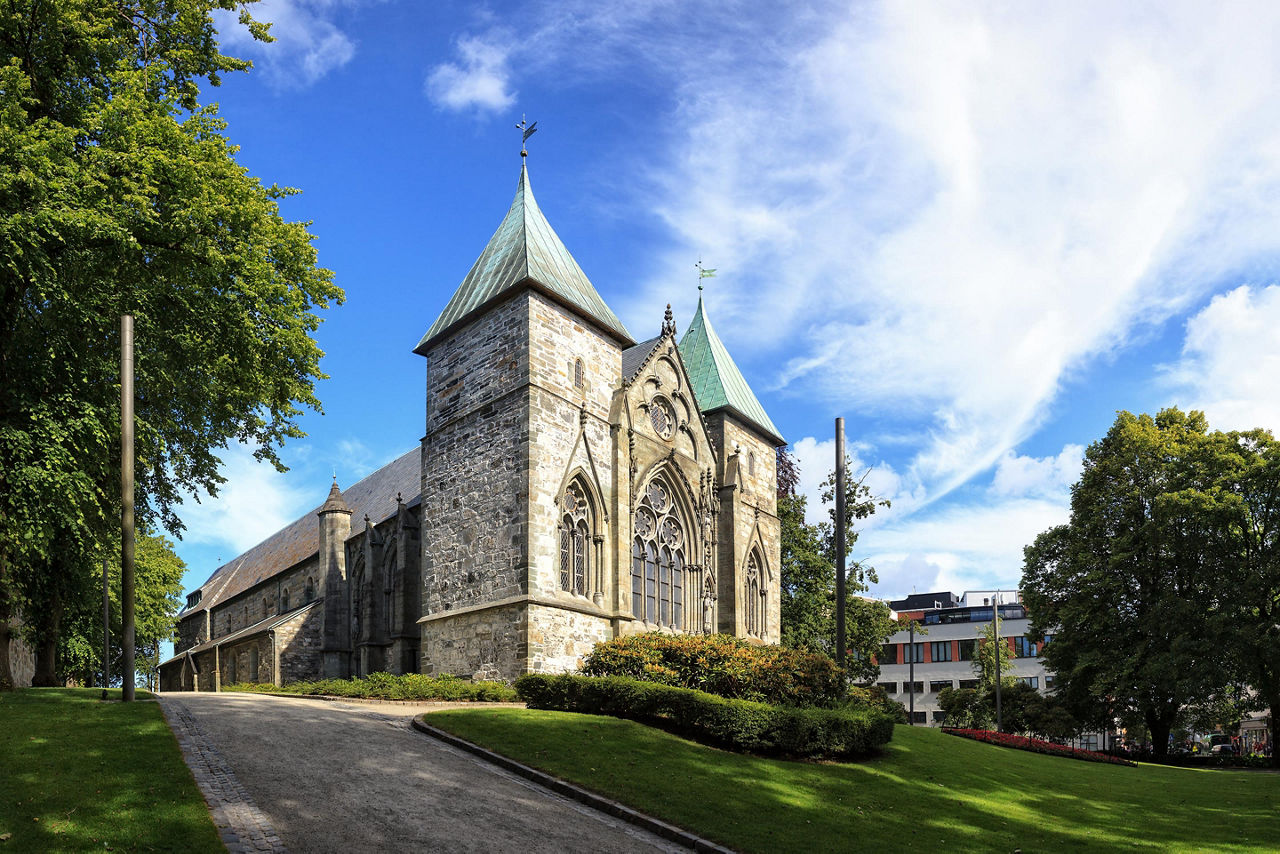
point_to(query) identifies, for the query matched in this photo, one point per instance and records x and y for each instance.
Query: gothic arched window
(576, 536)
(284, 600)
(659, 564)
(578, 371)
(754, 597)
(311, 589)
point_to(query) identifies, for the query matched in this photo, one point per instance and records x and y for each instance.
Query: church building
(573, 486)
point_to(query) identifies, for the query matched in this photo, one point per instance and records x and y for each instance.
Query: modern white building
(914, 667)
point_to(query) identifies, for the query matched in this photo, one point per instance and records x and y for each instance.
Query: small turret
(335, 528)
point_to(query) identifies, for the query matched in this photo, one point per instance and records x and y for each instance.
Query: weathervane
(704, 273)
(529, 130)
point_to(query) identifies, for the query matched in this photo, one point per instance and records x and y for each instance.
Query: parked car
(1219, 742)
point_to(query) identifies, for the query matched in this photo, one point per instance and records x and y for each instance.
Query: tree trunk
(6, 631)
(1159, 727)
(47, 630)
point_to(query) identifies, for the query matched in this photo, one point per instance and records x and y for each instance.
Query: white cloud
(1052, 477)
(355, 460)
(817, 460)
(1231, 360)
(255, 502)
(308, 42)
(481, 79)
(956, 205)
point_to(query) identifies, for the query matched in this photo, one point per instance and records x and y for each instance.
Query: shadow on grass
(919, 793)
(81, 774)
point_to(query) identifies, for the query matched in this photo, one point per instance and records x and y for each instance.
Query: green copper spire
(525, 251)
(717, 382)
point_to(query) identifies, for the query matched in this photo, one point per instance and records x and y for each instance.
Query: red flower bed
(1035, 745)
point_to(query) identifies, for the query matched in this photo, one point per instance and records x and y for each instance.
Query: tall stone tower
(516, 475)
(335, 527)
(746, 442)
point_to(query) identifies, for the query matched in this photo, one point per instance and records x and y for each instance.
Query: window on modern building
(1089, 742)
(938, 684)
(577, 530)
(915, 652)
(1047, 639)
(1024, 647)
(889, 687)
(920, 717)
(939, 717)
(913, 687)
(968, 649)
(1033, 681)
(969, 684)
(1049, 679)
(660, 572)
(940, 650)
(754, 597)
(579, 378)
(888, 654)
(253, 664)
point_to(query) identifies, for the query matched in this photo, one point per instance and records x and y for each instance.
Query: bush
(722, 665)
(384, 686)
(741, 725)
(874, 697)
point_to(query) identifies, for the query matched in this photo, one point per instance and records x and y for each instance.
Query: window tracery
(659, 559)
(576, 536)
(754, 597)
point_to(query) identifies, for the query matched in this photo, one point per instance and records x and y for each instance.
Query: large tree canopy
(1130, 586)
(121, 194)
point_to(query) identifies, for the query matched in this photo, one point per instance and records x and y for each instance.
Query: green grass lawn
(925, 792)
(77, 774)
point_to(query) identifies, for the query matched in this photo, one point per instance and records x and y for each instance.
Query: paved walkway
(311, 775)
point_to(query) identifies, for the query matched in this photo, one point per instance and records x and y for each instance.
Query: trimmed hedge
(723, 665)
(384, 686)
(740, 725)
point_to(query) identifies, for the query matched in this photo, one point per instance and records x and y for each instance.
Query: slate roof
(634, 357)
(717, 382)
(525, 250)
(374, 496)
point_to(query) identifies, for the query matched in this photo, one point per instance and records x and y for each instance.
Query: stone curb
(569, 790)
(334, 698)
(241, 826)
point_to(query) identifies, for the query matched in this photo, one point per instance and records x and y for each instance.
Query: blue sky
(975, 230)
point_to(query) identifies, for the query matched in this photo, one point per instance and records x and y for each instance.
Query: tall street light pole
(126, 507)
(911, 672)
(995, 623)
(840, 544)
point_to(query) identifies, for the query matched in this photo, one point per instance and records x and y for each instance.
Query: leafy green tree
(119, 194)
(1248, 486)
(989, 652)
(158, 589)
(1128, 585)
(808, 579)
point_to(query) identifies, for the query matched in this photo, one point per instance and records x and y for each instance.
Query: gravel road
(351, 777)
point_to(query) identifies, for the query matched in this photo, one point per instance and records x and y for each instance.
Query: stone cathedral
(573, 486)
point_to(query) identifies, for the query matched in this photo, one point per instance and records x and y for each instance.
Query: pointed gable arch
(664, 569)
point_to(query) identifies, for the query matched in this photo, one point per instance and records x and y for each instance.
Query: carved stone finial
(582, 414)
(399, 498)
(668, 322)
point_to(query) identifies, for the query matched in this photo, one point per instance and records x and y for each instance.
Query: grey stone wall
(298, 643)
(238, 661)
(475, 485)
(748, 517)
(559, 638)
(484, 644)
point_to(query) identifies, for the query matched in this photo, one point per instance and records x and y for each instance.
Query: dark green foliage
(121, 194)
(385, 686)
(809, 577)
(739, 725)
(722, 665)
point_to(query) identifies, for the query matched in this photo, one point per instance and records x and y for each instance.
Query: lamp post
(911, 671)
(995, 626)
(840, 547)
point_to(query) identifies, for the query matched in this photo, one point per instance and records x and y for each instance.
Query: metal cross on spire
(528, 129)
(704, 273)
